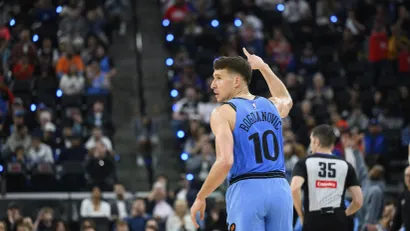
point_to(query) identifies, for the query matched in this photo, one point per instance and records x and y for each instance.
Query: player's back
(258, 143)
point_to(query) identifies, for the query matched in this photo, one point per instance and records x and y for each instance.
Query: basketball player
(249, 150)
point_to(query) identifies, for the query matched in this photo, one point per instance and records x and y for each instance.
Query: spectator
(177, 12)
(378, 50)
(49, 136)
(95, 206)
(97, 136)
(402, 216)
(61, 226)
(19, 156)
(157, 206)
(47, 50)
(72, 83)
(88, 223)
(100, 167)
(18, 138)
(28, 222)
(290, 159)
(24, 48)
(250, 41)
(147, 141)
(75, 152)
(309, 62)
(279, 50)
(152, 224)
(358, 119)
(295, 86)
(99, 117)
(99, 82)
(205, 109)
(352, 24)
(23, 70)
(120, 207)
(45, 220)
(39, 152)
(138, 217)
(72, 22)
(375, 144)
(88, 53)
(386, 221)
(188, 79)
(404, 63)
(217, 216)
(186, 108)
(13, 216)
(181, 220)
(67, 60)
(121, 226)
(201, 164)
(373, 196)
(296, 11)
(77, 122)
(253, 21)
(320, 95)
(106, 62)
(197, 137)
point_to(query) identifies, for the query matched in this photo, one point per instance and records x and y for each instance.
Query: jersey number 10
(264, 146)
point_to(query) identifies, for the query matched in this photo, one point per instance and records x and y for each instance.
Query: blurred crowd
(345, 63)
(55, 73)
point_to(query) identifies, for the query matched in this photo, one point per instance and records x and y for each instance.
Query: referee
(324, 179)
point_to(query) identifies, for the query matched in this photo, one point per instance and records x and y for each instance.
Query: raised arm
(221, 125)
(280, 95)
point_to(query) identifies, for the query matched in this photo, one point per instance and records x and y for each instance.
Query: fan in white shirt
(72, 83)
(39, 152)
(205, 109)
(95, 206)
(180, 220)
(161, 209)
(97, 135)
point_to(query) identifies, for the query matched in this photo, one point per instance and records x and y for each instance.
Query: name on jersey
(326, 184)
(256, 116)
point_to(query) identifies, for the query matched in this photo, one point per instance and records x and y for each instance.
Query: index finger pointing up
(246, 52)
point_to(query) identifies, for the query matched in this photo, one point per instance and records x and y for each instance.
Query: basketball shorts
(259, 205)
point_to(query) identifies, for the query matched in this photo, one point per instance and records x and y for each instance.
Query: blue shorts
(259, 205)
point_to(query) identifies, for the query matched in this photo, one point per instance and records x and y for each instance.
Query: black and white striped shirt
(326, 179)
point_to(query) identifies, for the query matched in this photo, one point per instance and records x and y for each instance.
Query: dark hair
(235, 64)
(325, 134)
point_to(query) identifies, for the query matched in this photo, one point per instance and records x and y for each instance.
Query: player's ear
(236, 80)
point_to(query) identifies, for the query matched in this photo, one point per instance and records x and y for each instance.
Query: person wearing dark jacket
(402, 216)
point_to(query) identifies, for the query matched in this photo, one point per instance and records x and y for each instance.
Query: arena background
(115, 94)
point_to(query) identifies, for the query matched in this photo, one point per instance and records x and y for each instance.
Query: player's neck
(323, 151)
(243, 93)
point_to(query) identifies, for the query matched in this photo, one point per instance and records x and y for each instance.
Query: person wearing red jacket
(378, 50)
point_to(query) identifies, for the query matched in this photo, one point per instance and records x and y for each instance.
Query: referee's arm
(298, 179)
(352, 184)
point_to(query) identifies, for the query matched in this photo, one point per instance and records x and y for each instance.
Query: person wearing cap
(13, 216)
(38, 151)
(49, 130)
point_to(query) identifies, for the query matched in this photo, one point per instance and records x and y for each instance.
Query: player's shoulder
(225, 110)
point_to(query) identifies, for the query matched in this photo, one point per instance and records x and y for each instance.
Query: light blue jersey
(259, 196)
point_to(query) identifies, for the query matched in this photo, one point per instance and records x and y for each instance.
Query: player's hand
(256, 62)
(199, 205)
